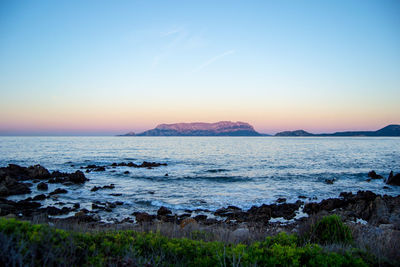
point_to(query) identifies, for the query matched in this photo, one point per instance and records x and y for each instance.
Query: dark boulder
(42, 186)
(281, 200)
(393, 179)
(329, 181)
(10, 186)
(373, 175)
(77, 177)
(38, 172)
(58, 191)
(40, 197)
(162, 211)
(143, 217)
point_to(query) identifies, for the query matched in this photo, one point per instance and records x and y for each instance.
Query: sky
(109, 67)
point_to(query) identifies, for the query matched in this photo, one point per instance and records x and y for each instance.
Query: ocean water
(208, 172)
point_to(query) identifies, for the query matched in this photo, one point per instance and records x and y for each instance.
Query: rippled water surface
(209, 172)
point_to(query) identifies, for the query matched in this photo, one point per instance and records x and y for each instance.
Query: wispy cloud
(212, 60)
(171, 32)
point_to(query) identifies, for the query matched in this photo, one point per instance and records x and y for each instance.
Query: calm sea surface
(208, 172)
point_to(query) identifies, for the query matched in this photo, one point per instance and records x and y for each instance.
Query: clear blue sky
(105, 67)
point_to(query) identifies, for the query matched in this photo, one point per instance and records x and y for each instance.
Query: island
(222, 128)
(390, 130)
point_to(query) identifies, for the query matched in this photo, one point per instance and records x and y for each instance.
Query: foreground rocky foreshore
(365, 206)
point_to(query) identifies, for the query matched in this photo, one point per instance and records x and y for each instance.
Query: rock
(373, 175)
(58, 191)
(393, 179)
(100, 169)
(42, 186)
(166, 174)
(56, 211)
(10, 186)
(126, 172)
(379, 212)
(162, 211)
(281, 200)
(40, 197)
(329, 181)
(142, 217)
(77, 205)
(96, 188)
(304, 197)
(77, 177)
(38, 172)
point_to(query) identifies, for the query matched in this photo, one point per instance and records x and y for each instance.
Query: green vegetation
(330, 230)
(22, 243)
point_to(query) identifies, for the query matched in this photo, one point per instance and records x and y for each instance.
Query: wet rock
(393, 179)
(119, 203)
(166, 174)
(142, 217)
(10, 186)
(301, 196)
(227, 211)
(373, 175)
(56, 211)
(42, 186)
(77, 177)
(281, 200)
(96, 188)
(58, 191)
(265, 212)
(126, 172)
(38, 172)
(162, 211)
(24, 173)
(40, 197)
(100, 169)
(329, 181)
(77, 205)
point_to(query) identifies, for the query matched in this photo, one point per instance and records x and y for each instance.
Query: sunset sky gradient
(109, 67)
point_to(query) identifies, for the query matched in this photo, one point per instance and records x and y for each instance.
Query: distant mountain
(128, 134)
(222, 128)
(294, 133)
(390, 130)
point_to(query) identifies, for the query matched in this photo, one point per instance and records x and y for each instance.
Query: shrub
(38, 245)
(330, 230)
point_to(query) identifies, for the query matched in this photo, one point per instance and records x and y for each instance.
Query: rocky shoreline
(365, 206)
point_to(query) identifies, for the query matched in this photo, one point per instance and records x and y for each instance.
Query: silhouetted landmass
(390, 130)
(222, 128)
(294, 133)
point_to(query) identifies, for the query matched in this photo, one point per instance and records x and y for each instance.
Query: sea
(207, 172)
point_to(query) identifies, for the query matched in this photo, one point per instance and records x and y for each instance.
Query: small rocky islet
(366, 206)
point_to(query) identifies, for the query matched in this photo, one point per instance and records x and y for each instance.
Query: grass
(26, 244)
